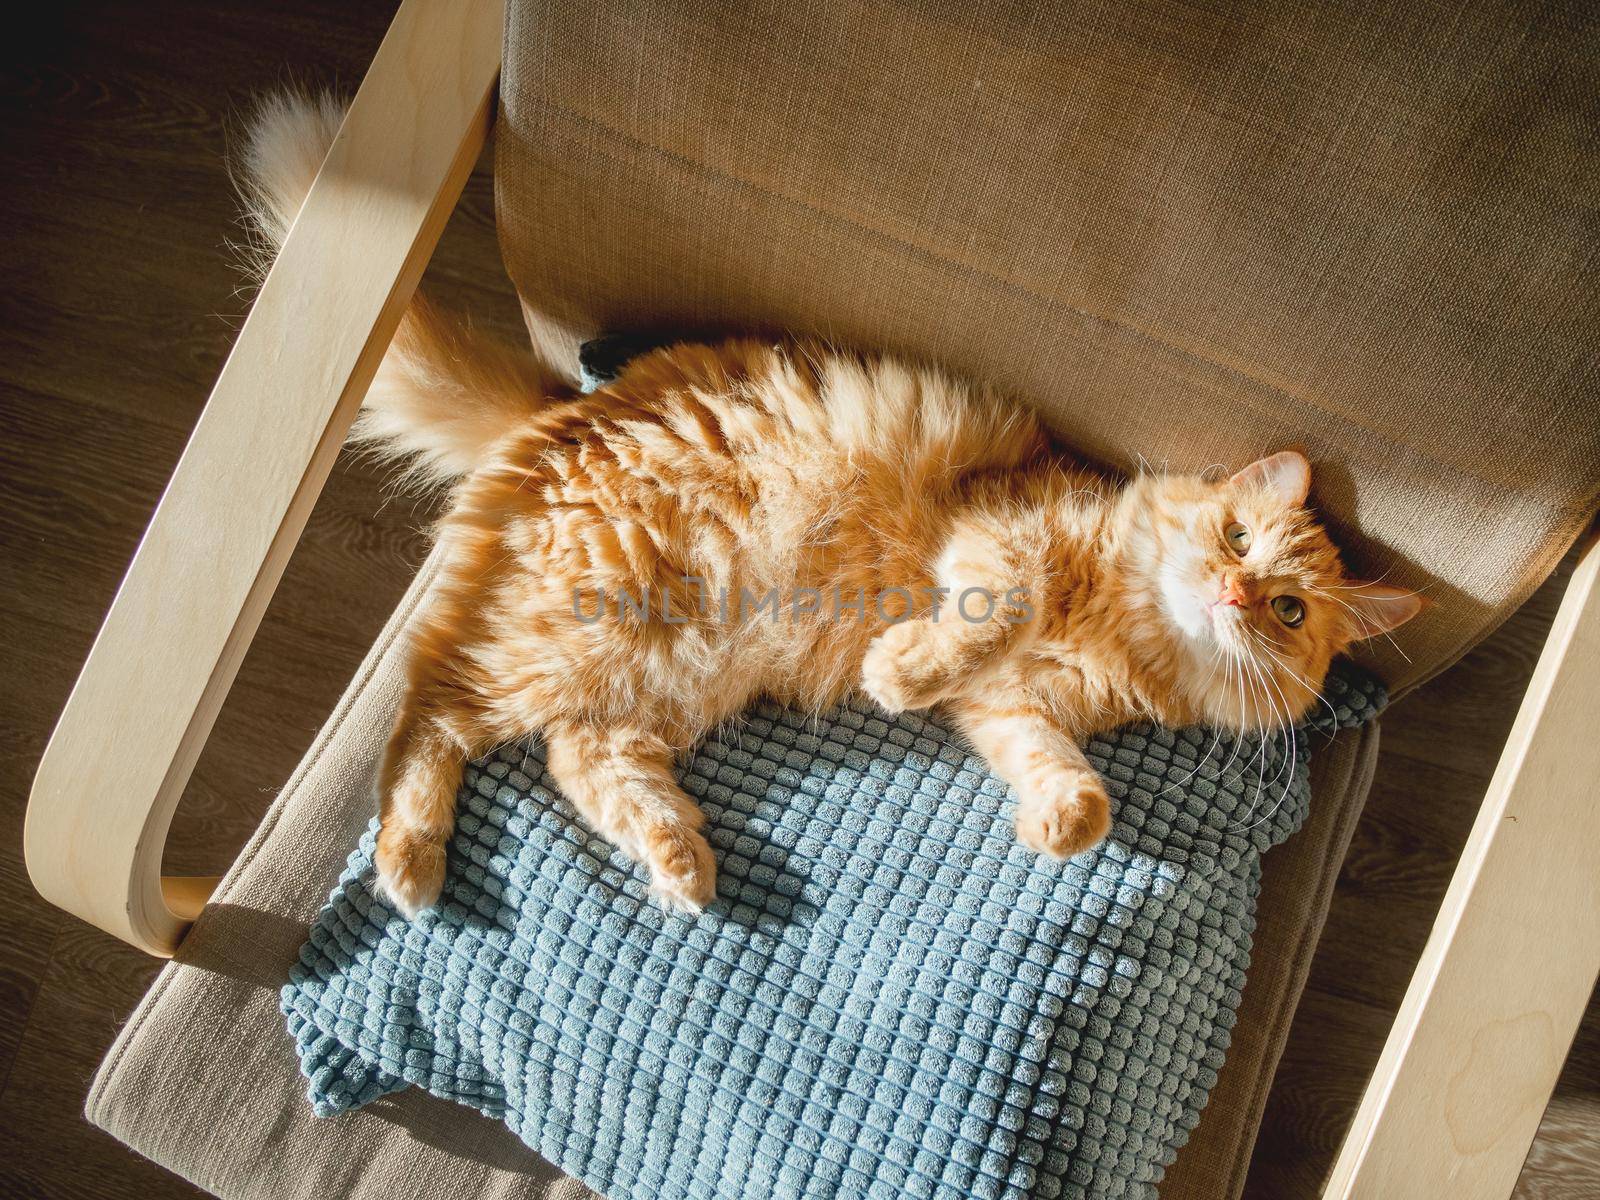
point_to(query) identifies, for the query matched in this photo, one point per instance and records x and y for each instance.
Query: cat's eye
(1238, 538)
(1289, 610)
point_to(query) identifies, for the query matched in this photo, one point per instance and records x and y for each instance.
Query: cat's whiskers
(1361, 621)
(1367, 583)
(1260, 782)
(1239, 681)
(1216, 739)
(1274, 695)
(1246, 673)
(1285, 665)
(1251, 674)
(1287, 728)
(1293, 765)
(1236, 680)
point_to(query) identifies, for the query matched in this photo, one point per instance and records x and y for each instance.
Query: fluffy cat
(852, 488)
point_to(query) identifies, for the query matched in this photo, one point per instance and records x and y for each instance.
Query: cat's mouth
(1225, 608)
(1226, 619)
(1208, 617)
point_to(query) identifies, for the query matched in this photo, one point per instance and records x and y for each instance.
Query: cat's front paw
(683, 872)
(903, 669)
(1069, 813)
(410, 865)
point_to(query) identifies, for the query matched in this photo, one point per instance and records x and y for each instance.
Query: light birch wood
(168, 651)
(1495, 1001)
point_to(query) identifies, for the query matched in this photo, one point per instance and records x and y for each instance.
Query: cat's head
(1252, 591)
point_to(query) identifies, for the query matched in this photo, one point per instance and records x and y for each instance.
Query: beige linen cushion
(203, 1078)
(1188, 233)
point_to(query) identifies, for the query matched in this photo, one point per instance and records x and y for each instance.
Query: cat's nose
(1233, 593)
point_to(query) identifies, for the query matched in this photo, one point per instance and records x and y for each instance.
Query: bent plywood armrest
(1502, 984)
(217, 545)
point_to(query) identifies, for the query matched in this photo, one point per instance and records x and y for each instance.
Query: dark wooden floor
(116, 309)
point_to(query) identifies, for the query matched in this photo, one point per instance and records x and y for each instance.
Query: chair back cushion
(1187, 234)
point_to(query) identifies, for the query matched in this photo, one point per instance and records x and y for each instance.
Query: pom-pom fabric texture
(889, 998)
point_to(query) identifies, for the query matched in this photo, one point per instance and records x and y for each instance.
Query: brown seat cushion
(1188, 233)
(204, 1080)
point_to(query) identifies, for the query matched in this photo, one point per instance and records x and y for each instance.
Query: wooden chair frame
(1475, 1050)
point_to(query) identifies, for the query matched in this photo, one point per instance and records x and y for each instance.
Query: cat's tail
(444, 393)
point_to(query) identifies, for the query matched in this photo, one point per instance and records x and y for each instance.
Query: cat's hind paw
(904, 670)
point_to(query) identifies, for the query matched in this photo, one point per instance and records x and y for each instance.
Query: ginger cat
(924, 540)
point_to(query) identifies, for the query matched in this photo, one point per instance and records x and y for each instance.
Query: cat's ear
(1378, 607)
(1285, 475)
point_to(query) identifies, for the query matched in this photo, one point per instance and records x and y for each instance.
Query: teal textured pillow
(890, 997)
